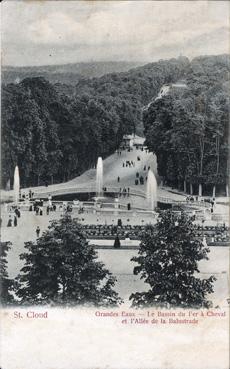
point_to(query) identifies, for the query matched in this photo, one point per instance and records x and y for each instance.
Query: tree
(56, 132)
(62, 269)
(167, 260)
(190, 126)
(6, 284)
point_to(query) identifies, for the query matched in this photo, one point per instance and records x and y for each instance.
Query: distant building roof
(133, 137)
(179, 84)
(128, 137)
(138, 140)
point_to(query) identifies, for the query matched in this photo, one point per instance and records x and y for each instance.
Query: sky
(58, 32)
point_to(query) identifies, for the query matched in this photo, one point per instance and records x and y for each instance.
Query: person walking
(118, 179)
(38, 231)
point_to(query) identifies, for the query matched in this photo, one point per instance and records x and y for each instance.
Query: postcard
(115, 185)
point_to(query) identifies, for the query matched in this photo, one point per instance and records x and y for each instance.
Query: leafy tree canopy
(168, 261)
(6, 284)
(61, 268)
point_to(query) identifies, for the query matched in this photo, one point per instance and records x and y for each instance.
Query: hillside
(188, 128)
(55, 132)
(67, 73)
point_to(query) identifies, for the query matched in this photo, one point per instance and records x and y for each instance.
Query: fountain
(99, 178)
(151, 191)
(16, 184)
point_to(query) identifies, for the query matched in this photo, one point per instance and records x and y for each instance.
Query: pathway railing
(116, 190)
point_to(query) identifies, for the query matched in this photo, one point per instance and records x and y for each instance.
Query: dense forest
(188, 129)
(54, 132)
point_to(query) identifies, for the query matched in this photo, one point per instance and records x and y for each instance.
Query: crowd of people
(110, 231)
(13, 218)
(140, 177)
(124, 192)
(212, 234)
(39, 207)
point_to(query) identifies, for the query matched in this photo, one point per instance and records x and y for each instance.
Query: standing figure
(15, 221)
(38, 231)
(9, 224)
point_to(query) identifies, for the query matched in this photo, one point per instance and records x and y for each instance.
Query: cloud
(101, 30)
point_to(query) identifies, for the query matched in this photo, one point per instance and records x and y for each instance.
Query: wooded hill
(65, 73)
(188, 129)
(55, 132)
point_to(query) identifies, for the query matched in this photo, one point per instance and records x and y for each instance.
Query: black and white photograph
(115, 184)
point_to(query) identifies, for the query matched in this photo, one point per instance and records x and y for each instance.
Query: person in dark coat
(17, 212)
(9, 224)
(15, 221)
(117, 243)
(38, 231)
